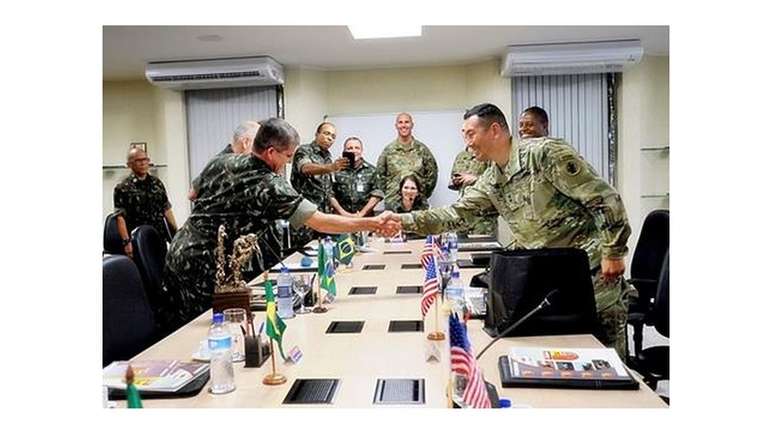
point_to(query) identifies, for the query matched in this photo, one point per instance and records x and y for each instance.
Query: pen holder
(256, 351)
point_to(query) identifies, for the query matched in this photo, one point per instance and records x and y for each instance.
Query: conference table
(358, 360)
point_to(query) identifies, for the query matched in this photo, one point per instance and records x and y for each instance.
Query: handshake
(386, 224)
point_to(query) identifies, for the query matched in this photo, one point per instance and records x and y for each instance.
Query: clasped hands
(386, 224)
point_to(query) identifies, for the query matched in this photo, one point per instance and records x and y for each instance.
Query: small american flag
(428, 251)
(430, 289)
(464, 363)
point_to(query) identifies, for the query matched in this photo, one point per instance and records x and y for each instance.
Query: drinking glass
(302, 285)
(236, 320)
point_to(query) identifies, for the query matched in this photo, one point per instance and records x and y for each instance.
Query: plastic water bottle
(328, 246)
(285, 294)
(453, 247)
(455, 292)
(221, 367)
(444, 265)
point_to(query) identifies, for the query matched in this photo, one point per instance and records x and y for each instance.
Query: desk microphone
(540, 306)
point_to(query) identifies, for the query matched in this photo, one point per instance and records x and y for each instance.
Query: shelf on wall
(662, 195)
(661, 148)
(116, 166)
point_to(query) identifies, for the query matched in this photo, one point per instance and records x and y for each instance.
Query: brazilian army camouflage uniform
(466, 163)
(224, 152)
(398, 160)
(550, 197)
(315, 188)
(354, 187)
(242, 193)
(142, 202)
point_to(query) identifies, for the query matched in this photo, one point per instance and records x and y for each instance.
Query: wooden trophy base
(236, 299)
(274, 379)
(436, 336)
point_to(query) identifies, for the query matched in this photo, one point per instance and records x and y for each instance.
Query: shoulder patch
(572, 168)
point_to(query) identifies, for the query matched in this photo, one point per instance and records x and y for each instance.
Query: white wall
(135, 111)
(644, 122)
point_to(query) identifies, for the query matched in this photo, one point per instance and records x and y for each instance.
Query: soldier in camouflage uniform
(465, 171)
(142, 200)
(312, 177)
(410, 198)
(356, 190)
(406, 155)
(550, 197)
(247, 195)
(313, 166)
(241, 143)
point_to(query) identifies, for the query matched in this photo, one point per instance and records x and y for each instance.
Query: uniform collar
(513, 167)
(406, 147)
(320, 150)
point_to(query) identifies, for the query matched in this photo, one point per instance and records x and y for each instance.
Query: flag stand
(436, 335)
(319, 308)
(274, 378)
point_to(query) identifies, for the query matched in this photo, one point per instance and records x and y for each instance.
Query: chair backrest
(127, 320)
(650, 251)
(521, 279)
(149, 251)
(661, 306)
(111, 239)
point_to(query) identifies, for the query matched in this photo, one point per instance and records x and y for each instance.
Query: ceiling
(126, 49)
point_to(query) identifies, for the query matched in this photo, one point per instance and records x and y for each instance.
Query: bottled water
(285, 294)
(328, 246)
(455, 292)
(451, 240)
(444, 265)
(221, 367)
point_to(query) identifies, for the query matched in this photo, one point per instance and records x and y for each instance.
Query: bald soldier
(241, 143)
(141, 199)
(406, 156)
(247, 194)
(551, 198)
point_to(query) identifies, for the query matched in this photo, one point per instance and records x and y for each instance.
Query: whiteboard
(440, 131)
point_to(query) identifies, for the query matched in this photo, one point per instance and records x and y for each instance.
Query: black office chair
(127, 320)
(647, 261)
(111, 239)
(653, 362)
(150, 250)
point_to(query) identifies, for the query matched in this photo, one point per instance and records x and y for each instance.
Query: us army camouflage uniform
(142, 202)
(224, 152)
(466, 163)
(242, 193)
(315, 188)
(354, 187)
(420, 203)
(550, 197)
(398, 160)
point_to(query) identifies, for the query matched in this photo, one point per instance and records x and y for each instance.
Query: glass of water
(236, 320)
(302, 285)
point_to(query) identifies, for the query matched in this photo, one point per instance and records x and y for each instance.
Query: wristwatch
(125, 242)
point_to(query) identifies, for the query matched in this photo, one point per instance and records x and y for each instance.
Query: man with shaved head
(406, 156)
(142, 200)
(241, 143)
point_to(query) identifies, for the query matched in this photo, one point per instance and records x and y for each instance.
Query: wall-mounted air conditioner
(215, 73)
(570, 58)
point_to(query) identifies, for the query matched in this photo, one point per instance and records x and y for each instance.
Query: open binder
(594, 368)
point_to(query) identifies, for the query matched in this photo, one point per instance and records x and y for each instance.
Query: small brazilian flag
(345, 248)
(275, 327)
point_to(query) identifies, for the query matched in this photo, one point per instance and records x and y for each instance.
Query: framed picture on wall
(141, 145)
